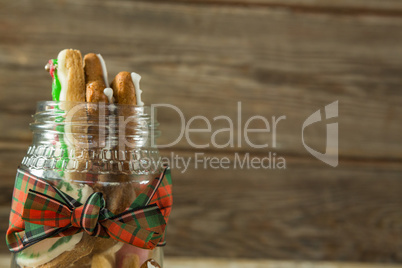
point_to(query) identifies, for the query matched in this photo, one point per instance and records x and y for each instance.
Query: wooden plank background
(183, 262)
(278, 58)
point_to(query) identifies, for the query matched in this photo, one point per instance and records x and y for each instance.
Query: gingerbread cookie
(95, 78)
(123, 89)
(71, 75)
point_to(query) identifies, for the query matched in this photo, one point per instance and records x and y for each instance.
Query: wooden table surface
(244, 263)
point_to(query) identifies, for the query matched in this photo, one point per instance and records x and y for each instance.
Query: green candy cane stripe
(56, 87)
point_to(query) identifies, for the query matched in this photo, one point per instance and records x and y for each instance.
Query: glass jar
(82, 148)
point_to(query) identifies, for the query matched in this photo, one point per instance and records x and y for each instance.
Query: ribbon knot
(87, 215)
(40, 210)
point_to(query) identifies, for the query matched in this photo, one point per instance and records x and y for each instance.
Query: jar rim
(55, 103)
(77, 117)
(56, 108)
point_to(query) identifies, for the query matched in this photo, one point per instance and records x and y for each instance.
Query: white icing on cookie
(109, 94)
(104, 70)
(136, 81)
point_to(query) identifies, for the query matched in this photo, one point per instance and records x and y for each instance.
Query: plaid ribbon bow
(40, 210)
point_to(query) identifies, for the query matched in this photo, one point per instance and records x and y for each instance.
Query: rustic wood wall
(289, 57)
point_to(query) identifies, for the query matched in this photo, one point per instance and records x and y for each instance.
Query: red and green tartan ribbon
(40, 210)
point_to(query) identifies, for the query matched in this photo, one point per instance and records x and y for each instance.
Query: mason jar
(86, 148)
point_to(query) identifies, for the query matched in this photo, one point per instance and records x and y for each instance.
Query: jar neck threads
(94, 138)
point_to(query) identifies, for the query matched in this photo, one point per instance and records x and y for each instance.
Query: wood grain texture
(289, 58)
(226, 263)
(232, 263)
(292, 64)
(387, 8)
(304, 212)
